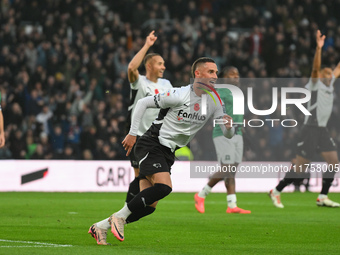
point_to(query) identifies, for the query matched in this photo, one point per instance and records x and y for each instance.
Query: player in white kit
(141, 86)
(178, 121)
(314, 135)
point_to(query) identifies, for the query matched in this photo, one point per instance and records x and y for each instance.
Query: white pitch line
(39, 244)
(28, 246)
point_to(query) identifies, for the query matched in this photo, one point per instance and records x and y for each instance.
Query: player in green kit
(229, 151)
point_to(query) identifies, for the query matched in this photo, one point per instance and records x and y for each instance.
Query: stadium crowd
(63, 66)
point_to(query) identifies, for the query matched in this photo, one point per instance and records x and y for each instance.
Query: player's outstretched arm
(320, 40)
(138, 58)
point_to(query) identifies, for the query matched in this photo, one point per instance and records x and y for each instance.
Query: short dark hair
(198, 62)
(226, 70)
(148, 57)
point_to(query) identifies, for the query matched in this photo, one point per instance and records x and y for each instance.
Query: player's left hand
(229, 120)
(128, 143)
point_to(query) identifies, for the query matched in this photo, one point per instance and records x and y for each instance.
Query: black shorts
(152, 156)
(132, 156)
(314, 140)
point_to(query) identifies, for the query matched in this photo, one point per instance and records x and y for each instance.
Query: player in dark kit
(155, 149)
(314, 136)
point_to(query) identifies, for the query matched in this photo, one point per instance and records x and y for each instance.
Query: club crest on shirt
(166, 94)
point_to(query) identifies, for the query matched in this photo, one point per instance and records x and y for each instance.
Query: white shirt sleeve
(170, 98)
(165, 100)
(140, 108)
(311, 85)
(135, 85)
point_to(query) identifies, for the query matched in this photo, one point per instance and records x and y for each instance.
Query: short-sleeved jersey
(141, 88)
(227, 98)
(0, 102)
(180, 117)
(321, 103)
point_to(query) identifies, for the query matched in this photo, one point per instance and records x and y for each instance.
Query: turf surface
(39, 223)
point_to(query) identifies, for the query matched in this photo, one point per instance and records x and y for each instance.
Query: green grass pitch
(40, 223)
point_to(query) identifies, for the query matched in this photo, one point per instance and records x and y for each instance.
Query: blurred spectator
(46, 146)
(39, 152)
(88, 138)
(87, 155)
(255, 41)
(31, 144)
(73, 132)
(57, 141)
(68, 153)
(17, 144)
(43, 118)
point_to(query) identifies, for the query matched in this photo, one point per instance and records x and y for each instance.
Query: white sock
(276, 192)
(124, 212)
(231, 199)
(104, 224)
(322, 196)
(205, 191)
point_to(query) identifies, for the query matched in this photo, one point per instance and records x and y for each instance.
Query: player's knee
(162, 190)
(154, 204)
(230, 175)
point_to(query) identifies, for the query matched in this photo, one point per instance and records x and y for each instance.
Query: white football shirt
(141, 88)
(321, 103)
(180, 117)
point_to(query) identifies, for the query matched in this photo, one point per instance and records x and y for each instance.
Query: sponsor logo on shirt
(191, 116)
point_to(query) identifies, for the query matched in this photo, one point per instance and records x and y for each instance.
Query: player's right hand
(151, 38)
(320, 39)
(128, 143)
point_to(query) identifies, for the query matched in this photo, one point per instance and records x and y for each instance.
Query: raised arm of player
(138, 58)
(320, 40)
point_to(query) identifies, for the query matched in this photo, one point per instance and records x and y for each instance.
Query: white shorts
(229, 151)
